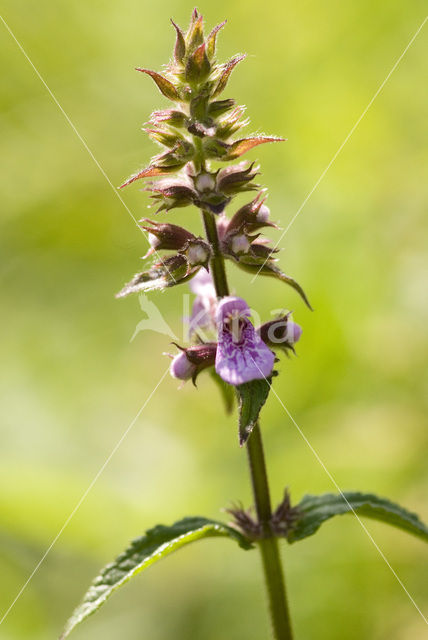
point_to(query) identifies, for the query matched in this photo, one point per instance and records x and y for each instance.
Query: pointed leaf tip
(225, 74)
(148, 172)
(314, 510)
(251, 398)
(165, 86)
(180, 45)
(156, 544)
(239, 147)
(212, 37)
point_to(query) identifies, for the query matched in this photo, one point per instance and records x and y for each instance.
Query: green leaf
(251, 396)
(143, 552)
(317, 509)
(263, 267)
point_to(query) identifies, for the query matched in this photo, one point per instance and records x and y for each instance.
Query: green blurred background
(72, 381)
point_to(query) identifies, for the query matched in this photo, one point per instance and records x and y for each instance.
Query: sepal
(163, 235)
(172, 271)
(180, 45)
(195, 33)
(236, 178)
(219, 107)
(239, 147)
(225, 72)
(173, 193)
(164, 163)
(197, 66)
(212, 39)
(164, 85)
(171, 117)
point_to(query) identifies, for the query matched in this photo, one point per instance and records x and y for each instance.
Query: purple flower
(241, 353)
(294, 331)
(181, 368)
(282, 333)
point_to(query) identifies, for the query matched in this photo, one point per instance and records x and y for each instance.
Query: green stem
(217, 266)
(268, 545)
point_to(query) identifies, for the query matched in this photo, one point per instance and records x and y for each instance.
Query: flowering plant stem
(241, 358)
(268, 544)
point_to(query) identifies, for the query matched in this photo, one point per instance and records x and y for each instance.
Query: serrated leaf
(142, 553)
(317, 509)
(251, 397)
(165, 86)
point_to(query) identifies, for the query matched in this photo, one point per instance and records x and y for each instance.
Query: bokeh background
(72, 382)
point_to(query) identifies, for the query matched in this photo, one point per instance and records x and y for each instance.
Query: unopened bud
(281, 333)
(197, 252)
(166, 236)
(204, 182)
(181, 367)
(236, 178)
(294, 331)
(191, 361)
(240, 244)
(263, 214)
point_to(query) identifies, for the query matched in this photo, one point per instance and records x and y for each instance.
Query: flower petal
(248, 359)
(231, 305)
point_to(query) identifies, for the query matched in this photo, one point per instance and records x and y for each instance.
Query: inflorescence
(198, 131)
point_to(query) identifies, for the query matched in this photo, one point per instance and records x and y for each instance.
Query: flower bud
(239, 243)
(173, 192)
(181, 367)
(191, 361)
(218, 107)
(197, 252)
(195, 33)
(172, 117)
(205, 182)
(166, 236)
(246, 214)
(263, 214)
(281, 333)
(197, 66)
(294, 331)
(235, 179)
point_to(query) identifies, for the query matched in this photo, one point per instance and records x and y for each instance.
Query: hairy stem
(268, 544)
(217, 266)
